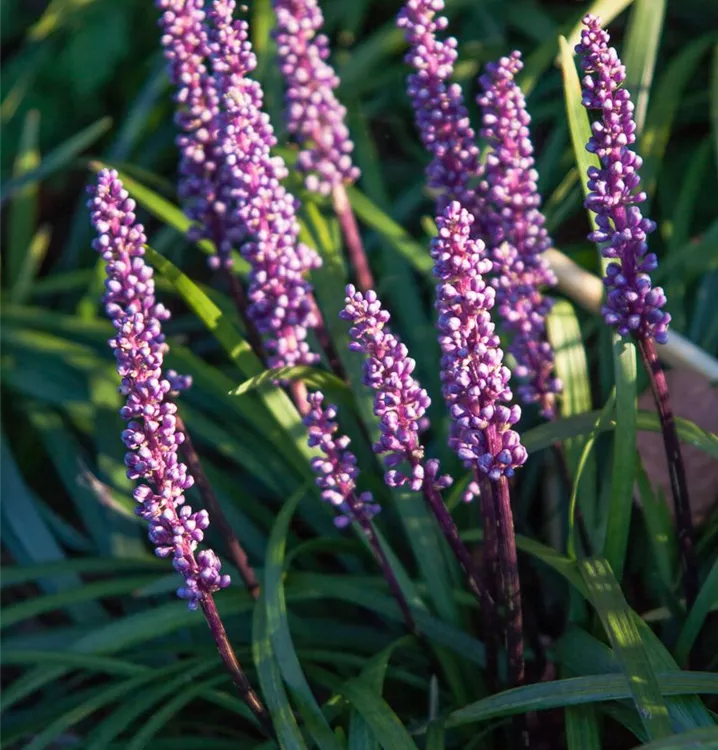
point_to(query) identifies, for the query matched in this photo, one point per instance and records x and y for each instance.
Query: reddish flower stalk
(475, 383)
(154, 431)
(633, 306)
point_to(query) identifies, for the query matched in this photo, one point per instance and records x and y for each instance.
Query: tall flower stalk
(316, 119)
(337, 473)
(476, 391)
(153, 435)
(516, 232)
(401, 404)
(633, 305)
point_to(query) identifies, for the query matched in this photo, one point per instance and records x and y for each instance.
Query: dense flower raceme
(474, 379)
(441, 115)
(262, 214)
(515, 230)
(632, 304)
(400, 402)
(337, 469)
(186, 48)
(315, 117)
(152, 437)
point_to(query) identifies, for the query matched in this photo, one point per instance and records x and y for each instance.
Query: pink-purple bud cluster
(315, 116)
(261, 213)
(152, 437)
(186, 49)
(632, 304)
(474, 379)
(515, 230)
(400, 402)
(441, 115)
(337, 469)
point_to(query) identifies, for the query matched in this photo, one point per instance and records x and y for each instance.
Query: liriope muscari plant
(633, 305)
(154, 432)
(487, 258)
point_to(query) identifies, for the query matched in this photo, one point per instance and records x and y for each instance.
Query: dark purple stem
(226, 652)
(490, 553)
(676, 469)
(354, 245)
(235, 549)
(383, 561)
(509, 574)
(451, 532)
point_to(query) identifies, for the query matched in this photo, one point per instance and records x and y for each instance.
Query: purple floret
(152, 437)
(315, 117)
(337, 470)
(474, 379)
(515, 231)
(633, 306)
(441, 115)
(400, 402)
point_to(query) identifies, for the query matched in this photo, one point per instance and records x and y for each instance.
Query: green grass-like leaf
(610, 604)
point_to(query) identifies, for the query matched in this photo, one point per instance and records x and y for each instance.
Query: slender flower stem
(235, 549)
(226, 652)
(490, 555)
(385, 566)
(509, 575)
(354, 245)
(676, 468)
(451, 532)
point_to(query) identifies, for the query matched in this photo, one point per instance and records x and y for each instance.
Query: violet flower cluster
(262, 214)
(337, 469)
(633, 306)
(400, 402)
(230, 182)
(152, 437)
(474, 380)
(515, 231)
(315, 117)
(441, 115)
(186, 49)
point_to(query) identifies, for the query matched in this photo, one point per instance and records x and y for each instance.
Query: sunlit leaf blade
(583, 729)
(58, 158)
(698, 739)
(575, 691)
(610, 604)
(643, 39)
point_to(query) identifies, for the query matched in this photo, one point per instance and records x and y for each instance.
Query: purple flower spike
(186, 49)
(261, 213)
(400, 401)
(441, 115)
(516, 231)
(474, 379)
(151, 437)
(337, 470)
(314, 115)
(632, 304)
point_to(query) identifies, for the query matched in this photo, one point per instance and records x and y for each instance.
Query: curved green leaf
(279, 634)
